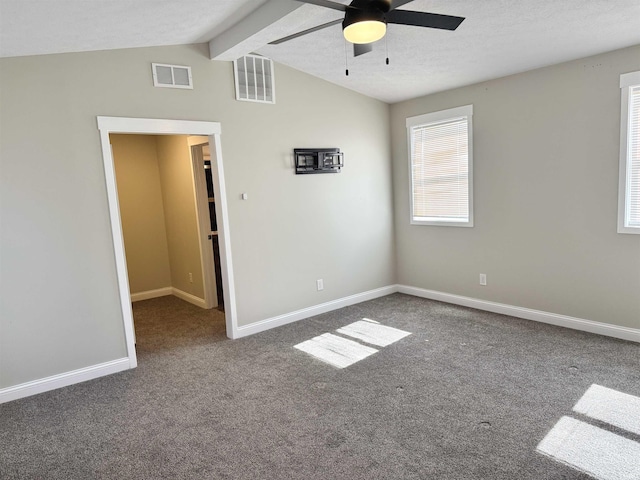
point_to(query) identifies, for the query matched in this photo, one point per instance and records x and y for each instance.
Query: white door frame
(149, 126)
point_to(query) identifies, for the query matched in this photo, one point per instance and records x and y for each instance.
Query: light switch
(245, 196)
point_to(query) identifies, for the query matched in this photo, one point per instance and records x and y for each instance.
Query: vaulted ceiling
(497, 38)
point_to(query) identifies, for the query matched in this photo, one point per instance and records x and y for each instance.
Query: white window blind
(440, 162)
(629, 204)
(633, 182)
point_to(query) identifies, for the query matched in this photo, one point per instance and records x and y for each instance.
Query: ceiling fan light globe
(366, 31)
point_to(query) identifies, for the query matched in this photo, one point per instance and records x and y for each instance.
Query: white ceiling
(498, 37)
(35, 27)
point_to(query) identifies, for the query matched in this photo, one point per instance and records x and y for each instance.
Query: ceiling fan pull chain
(386, 46)
(346, 61)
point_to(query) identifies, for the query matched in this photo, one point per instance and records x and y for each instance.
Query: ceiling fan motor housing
(358, 15)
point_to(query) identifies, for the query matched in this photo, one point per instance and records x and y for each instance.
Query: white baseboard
(163, 292)
(280, 320)
(146, 295)
(187, 297)
(62, 380)
(624, 333)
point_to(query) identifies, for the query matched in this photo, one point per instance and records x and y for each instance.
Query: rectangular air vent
(171, 76)
(255, 80)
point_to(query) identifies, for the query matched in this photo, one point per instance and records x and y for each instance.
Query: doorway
(109, 125)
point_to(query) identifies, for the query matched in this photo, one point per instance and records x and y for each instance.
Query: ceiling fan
(365, 21)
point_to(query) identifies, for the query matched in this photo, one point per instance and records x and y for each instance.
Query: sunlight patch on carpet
(615, 408)
(337, 351)
(372, 332)
(592, 450)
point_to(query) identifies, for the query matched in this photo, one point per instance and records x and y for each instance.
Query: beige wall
(546, 150)
(141, 211)
(54, 212)
(178, 197)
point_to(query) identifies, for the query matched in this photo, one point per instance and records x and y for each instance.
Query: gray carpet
(469, 395)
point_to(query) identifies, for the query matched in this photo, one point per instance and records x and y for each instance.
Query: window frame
(627, 81)
(465, 111)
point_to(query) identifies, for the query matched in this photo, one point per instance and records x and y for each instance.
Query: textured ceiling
(498, 37)
(35, 27)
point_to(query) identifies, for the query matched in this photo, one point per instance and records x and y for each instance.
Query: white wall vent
(255, 81)
(171, 76)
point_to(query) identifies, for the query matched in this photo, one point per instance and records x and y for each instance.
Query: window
(440, 165)
(629, 189)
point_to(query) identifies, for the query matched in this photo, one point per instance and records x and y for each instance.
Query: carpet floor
(468, 395)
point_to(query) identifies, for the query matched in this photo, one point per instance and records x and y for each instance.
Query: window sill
(441, 223)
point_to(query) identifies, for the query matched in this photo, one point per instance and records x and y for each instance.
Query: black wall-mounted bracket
(318, 160)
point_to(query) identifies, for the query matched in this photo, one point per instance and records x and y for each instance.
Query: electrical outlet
(320, 284)
(483, 279)
(190, 277)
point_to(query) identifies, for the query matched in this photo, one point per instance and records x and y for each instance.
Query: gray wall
(546, 152)
(60, 304)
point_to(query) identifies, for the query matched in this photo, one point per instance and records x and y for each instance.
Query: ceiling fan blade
(361, 48)
(422, 19)
(327, 4)
(305, 32)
